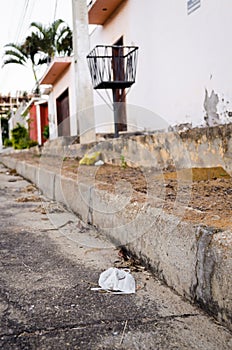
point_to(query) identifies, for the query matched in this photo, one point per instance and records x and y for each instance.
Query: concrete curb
(195, 261)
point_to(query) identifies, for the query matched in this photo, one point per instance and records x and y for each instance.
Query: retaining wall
(198, 147)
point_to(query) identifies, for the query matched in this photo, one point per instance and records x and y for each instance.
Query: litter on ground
(116, 281)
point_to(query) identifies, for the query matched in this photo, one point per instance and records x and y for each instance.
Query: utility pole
(83, 85)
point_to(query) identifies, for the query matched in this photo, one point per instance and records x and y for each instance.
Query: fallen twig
(27, 266)
(91, 283)
(123, 333)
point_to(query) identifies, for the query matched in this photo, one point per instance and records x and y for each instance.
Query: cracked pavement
(49, 262)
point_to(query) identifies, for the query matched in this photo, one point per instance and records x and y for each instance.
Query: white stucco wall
(16, 117)
(180, 56)
(66, 81)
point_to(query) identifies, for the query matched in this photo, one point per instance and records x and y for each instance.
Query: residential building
(60, 76)
(184, 62)
(10, 111)
(35, 115)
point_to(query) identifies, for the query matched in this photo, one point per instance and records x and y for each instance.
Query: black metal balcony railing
(113, 67)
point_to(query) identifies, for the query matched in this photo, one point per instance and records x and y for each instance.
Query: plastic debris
(99, 162)
(116, 281)
(90, 159)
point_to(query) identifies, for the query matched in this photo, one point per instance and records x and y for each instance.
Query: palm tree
(54, 40)
(41, 45)
(23, 53)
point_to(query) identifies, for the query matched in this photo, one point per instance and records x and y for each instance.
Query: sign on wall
(193, 5)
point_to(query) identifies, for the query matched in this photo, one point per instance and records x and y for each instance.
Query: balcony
(55, 70)
(100, 10)
(113, 67)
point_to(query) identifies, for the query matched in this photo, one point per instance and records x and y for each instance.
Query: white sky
(15, 19)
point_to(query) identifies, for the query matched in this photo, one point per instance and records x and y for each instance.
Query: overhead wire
(31, 10)
(29, 18)
(21, 21)
(25, 17)
(55, 10)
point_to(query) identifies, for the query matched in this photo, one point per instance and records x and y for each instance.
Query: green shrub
(23, 143)
(32, 143)
(46, 132)
(20, 138)
(7, 143)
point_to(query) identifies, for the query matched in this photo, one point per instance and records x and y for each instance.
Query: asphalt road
(50, 261)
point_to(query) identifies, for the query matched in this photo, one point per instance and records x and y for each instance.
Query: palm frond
(16, 46)
(12, 60)
(64, 32)
(44, 60)
(13, 53)
(55, 25)
(14, 56)
(37, 25)
(38, 29)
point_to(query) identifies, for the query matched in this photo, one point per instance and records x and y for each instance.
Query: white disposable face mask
(118, 281)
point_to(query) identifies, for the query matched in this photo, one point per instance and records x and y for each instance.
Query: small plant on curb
(123, 162)
(46, 132)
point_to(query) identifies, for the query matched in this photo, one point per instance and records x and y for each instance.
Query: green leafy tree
(55, 39)
(40, 46)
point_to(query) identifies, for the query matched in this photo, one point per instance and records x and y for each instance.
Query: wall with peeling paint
(181, 58)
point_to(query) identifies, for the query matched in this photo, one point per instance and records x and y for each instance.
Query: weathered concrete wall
(198, 147)
(210, 146)
(194, 260)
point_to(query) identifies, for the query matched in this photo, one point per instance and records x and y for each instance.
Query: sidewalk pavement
(50, 259)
